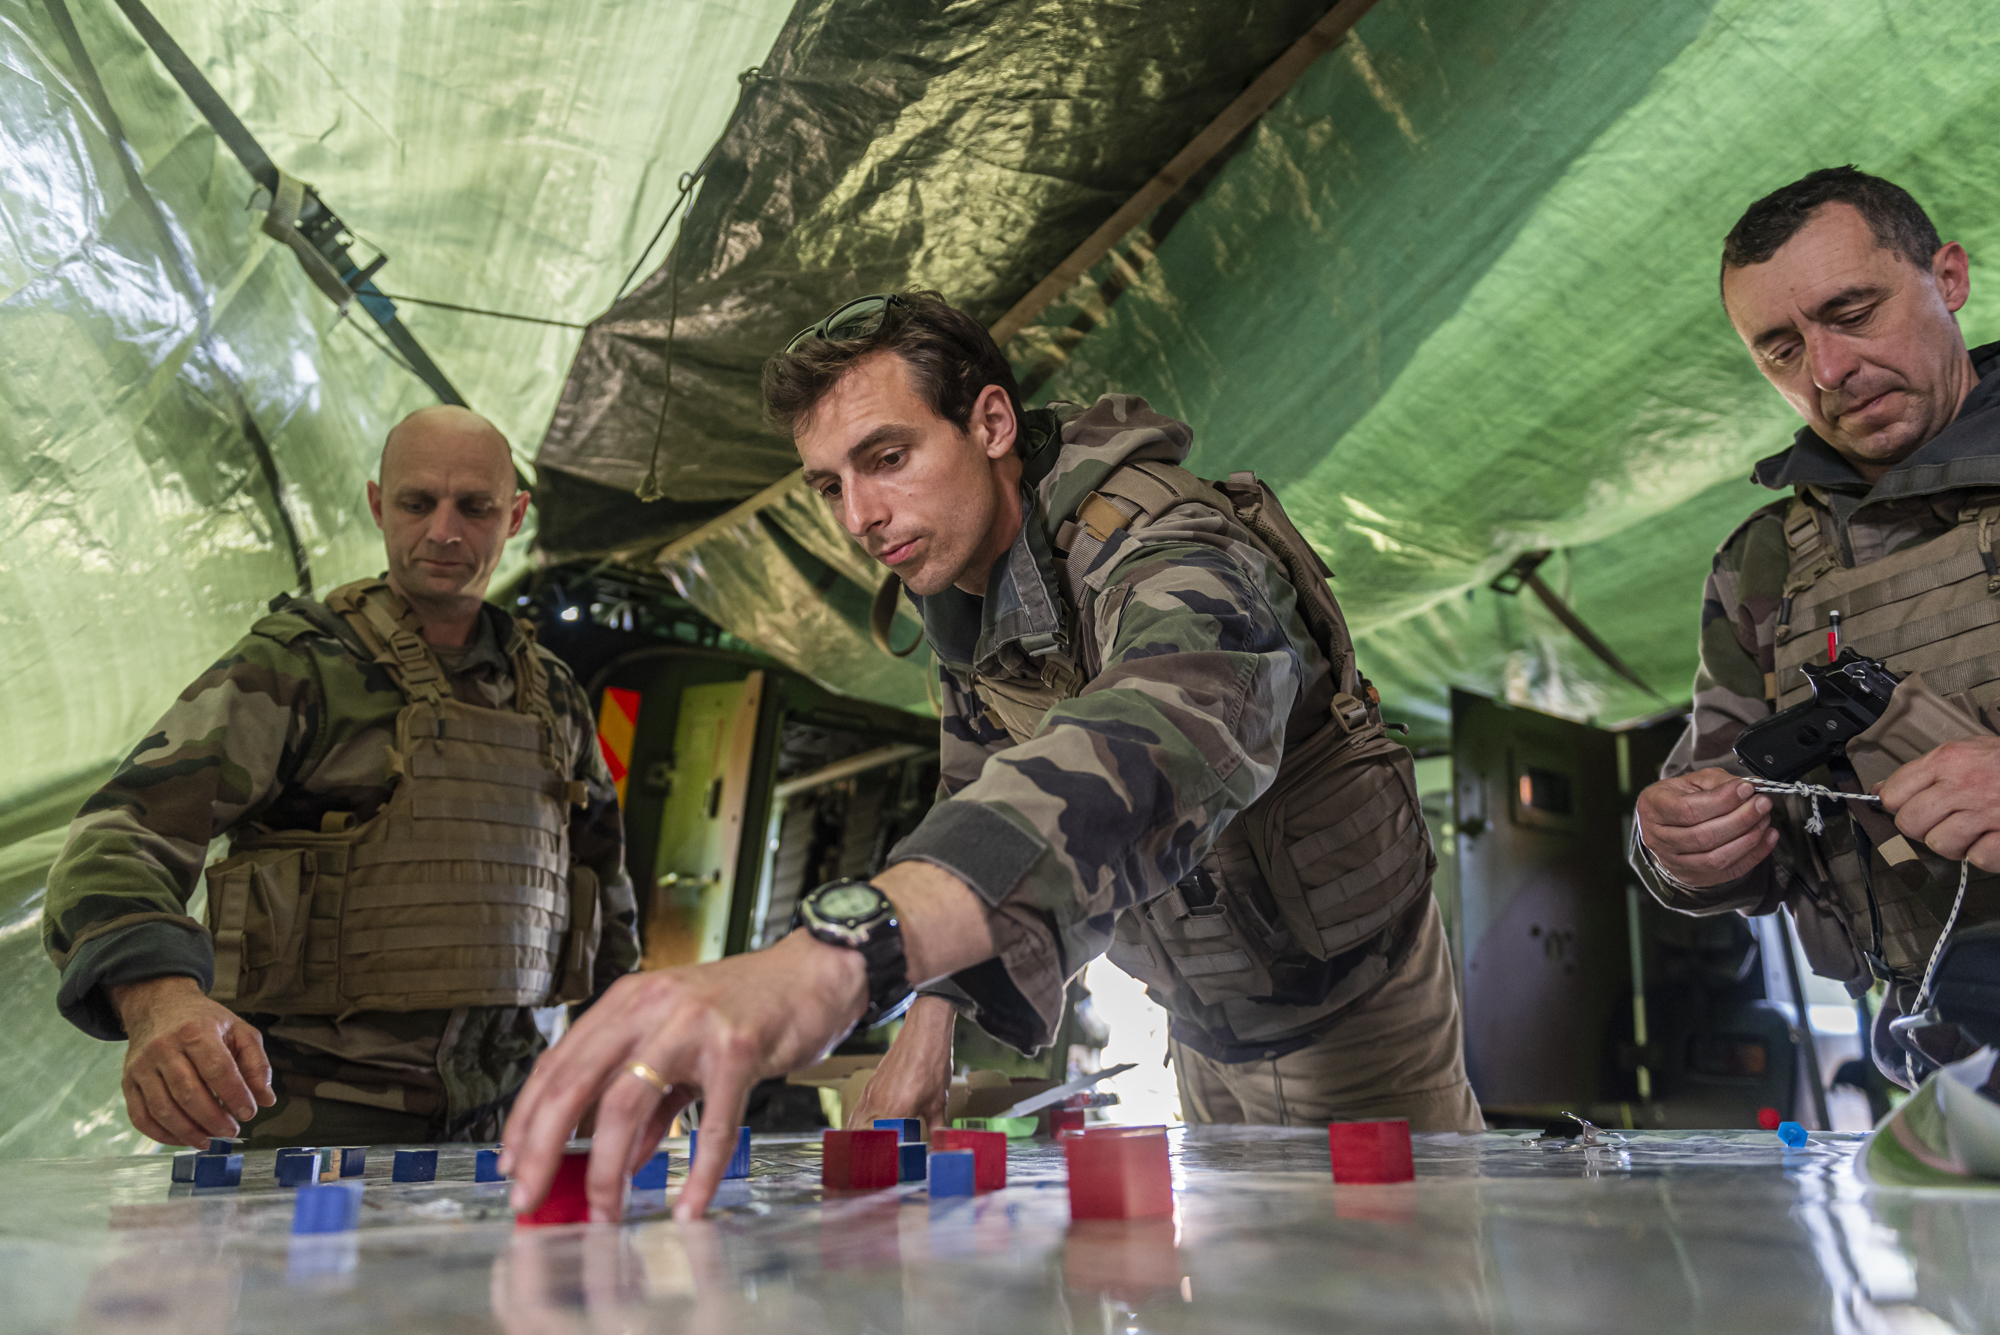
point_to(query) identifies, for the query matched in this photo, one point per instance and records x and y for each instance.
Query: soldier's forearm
(945, 927)
(131, 1000)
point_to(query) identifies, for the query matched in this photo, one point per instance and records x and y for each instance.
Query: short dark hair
(1895, 219)
(950, 355)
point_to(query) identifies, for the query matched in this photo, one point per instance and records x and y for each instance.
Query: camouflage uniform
(291, 724)
(1197, 659)
(1867, 904)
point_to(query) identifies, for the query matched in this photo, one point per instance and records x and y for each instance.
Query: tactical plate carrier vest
(459, 891)
(1931, 609)
(1328, 858)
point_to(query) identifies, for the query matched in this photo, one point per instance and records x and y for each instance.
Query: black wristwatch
(856, 915)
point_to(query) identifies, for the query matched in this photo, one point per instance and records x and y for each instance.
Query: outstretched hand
(914, 1079)
(709, 1031)
(1949, 800)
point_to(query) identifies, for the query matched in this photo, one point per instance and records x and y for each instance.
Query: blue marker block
(907, 1129)
(652, 1174)
(353, 1159)
(910, 1161)
(298, 1167)
(184, 1167)
(222, 1145)
(951, 1173)
(415, 1166)
(330, 1207)
(1792, 1134)
(739, 1162)
(218, 1170)
(486, 1167)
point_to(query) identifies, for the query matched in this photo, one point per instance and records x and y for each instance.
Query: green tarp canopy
(1454, 295)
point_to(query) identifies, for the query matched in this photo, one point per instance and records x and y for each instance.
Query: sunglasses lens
(856, 318)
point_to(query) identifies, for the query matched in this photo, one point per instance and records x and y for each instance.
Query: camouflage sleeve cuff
(145, 950)
(976, 844)
(1748, 893)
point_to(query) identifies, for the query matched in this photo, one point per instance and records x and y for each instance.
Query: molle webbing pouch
(1932, 608)
(1218, 944)
(459, 891)
(1339, 835)
(1335, 850)
(1931, 614)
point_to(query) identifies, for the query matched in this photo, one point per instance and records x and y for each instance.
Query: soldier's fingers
(623, 1111)
(1683, 803)
(215, 1063)
(1900, 788)
(1726, 863)
(1721, 830)
(536, 1134)
(1954, 835)
(721, 1113)
(567, 1080)
(160, 1102)
(191, 1093)
(655, 1130)
(1925, 810)
(142, 1118)
(1985, 851)
(247, 1046)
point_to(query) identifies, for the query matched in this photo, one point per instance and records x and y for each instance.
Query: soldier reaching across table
(1156, 742)
(1846, 299)
(425, 845)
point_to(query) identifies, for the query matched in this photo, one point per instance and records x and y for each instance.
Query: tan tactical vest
(459, 891)
(1332, 853)
(1934, 610)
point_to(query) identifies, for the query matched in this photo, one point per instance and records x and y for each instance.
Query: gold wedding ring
(649, 1075)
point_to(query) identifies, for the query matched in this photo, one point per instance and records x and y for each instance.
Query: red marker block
(1119, 1172)
(566, 1202)
(989, 1154)
(1062, 1120)
(858, 1160)
(1371, 1151)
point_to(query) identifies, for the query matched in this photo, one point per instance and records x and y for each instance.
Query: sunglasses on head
(855, 319)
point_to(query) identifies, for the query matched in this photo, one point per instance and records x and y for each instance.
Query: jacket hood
(1067, 450)
(1964, 454)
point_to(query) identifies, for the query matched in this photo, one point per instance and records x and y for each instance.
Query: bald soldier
(424, 846)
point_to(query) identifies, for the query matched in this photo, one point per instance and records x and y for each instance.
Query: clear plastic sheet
(1694, 1231)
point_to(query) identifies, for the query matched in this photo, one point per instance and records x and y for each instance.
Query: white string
(1815, 825)
(1814, 791)
(1937, 951)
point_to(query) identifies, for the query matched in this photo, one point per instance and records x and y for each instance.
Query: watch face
(848, 902)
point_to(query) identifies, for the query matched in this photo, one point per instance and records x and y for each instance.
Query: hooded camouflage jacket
(1195, 657)
(294, 722)
(1917, 501)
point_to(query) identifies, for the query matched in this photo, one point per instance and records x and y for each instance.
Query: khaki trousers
(1398, 1052)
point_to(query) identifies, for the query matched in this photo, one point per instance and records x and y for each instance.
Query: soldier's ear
(993, 424)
